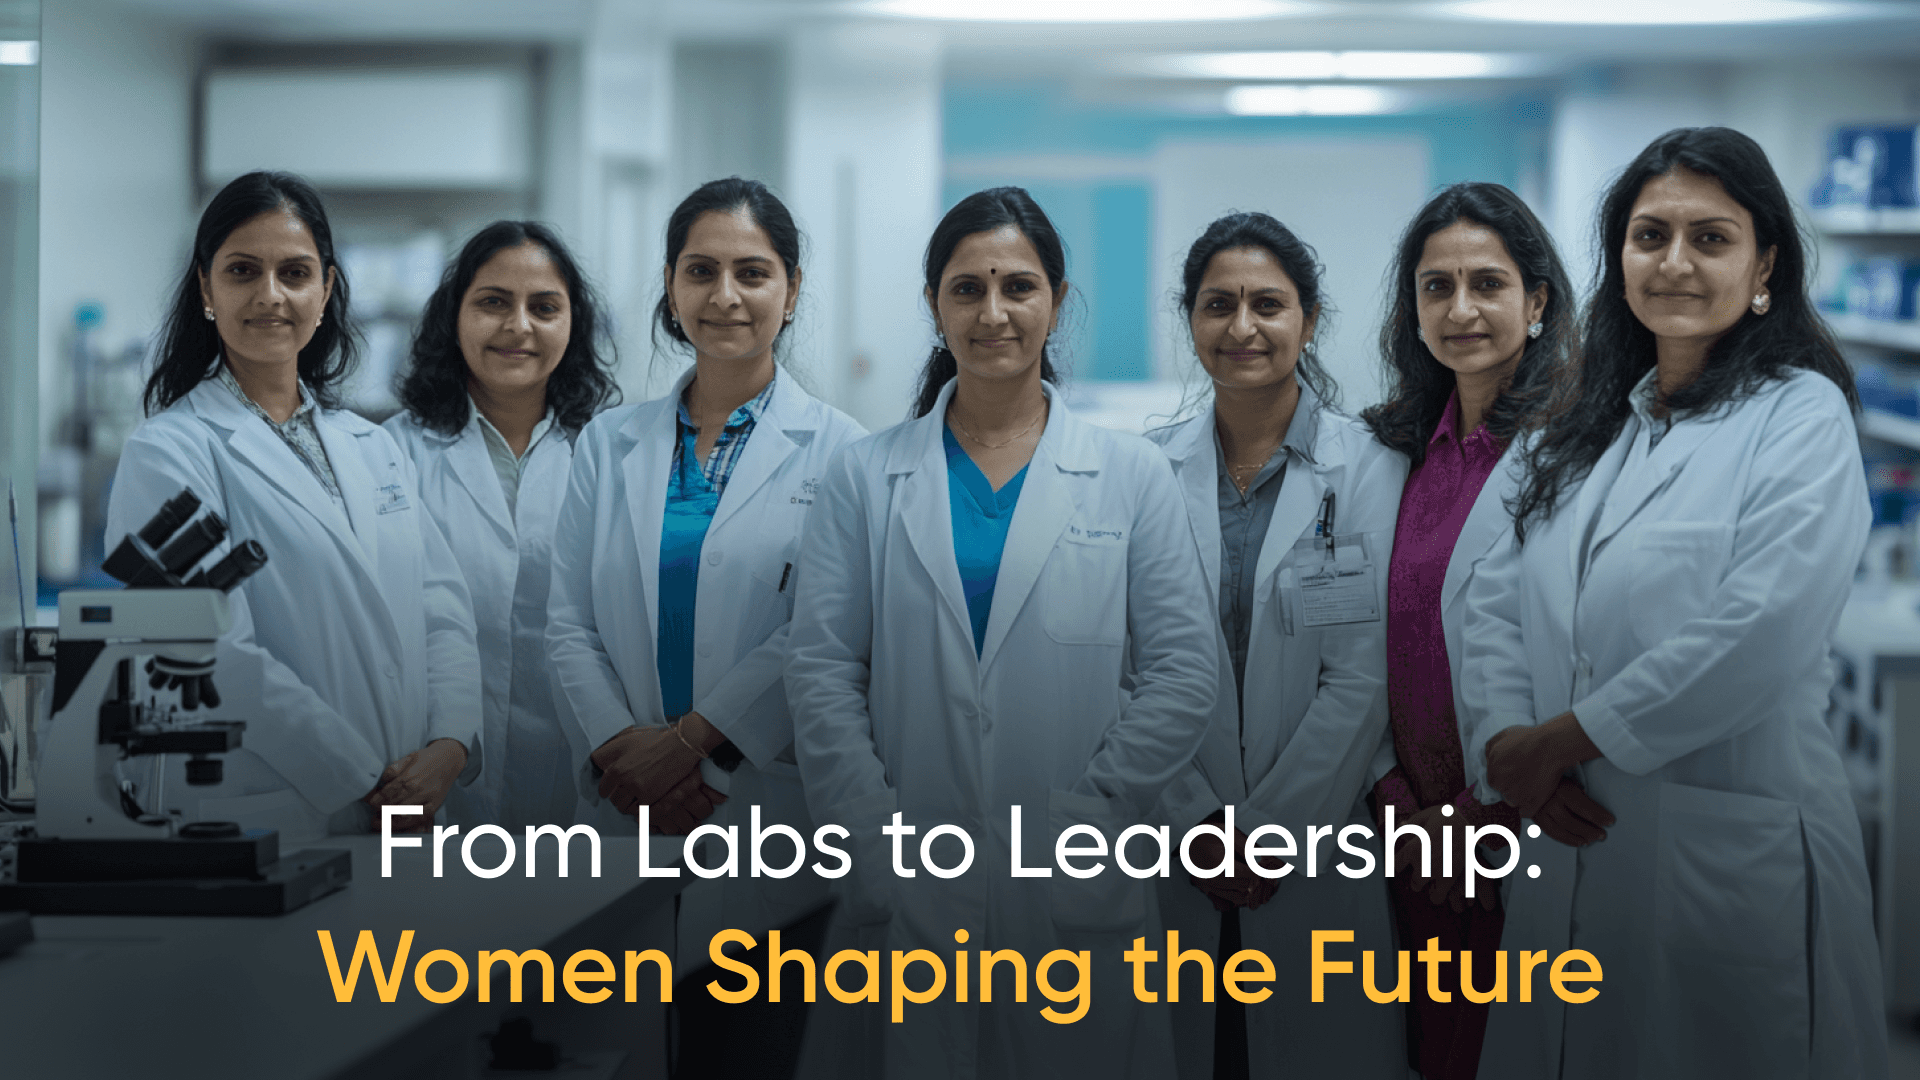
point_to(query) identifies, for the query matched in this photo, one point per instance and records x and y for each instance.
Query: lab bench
(1876, 717)
(154, 996)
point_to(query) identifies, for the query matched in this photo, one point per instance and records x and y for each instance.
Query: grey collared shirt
(1244, 518)
(505, 465)
(300, 433)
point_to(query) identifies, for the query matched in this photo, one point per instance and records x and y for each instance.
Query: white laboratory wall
(863, 181)
(1347, 198)
(117, 205)
(624, 110)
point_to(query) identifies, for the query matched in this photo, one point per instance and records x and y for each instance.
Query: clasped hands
(655, 767)
(421, 779)
(1244, 888)
(1528, 764)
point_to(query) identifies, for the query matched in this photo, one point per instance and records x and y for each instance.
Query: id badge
(1335, 588)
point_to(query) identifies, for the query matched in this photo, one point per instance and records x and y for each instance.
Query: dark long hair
(1617, 350)
(728, 196)
(1418, 384)
(985, 211)
(189, 341)
(435, 387)
(1301, 263)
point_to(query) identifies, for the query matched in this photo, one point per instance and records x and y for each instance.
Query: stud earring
(1536, 330)
(789, 318)
(1761, 302)
(209, 314)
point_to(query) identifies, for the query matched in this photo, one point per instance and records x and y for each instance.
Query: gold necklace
(984, 444)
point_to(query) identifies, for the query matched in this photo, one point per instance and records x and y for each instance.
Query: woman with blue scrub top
(1654, 639)
(352, 658)
(1280, 487)
(506, 370)
(674, 565)
(975, 582)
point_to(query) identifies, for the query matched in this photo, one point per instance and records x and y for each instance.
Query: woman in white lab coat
(352, 657)
(673, 567)
(974, 580)
(1265, 469)
(1476, 334)
(506, 370)
(1659, 625)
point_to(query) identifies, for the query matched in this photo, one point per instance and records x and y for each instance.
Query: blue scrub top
(691, 501)
(980, 519)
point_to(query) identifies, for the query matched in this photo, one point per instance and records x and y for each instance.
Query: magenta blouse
(1426, 735)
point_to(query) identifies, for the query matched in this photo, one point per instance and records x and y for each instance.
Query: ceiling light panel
(1654, 12)
(1339, 65)
(1323, 100)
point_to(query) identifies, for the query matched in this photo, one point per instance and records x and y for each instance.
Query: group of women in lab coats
(1572, 575)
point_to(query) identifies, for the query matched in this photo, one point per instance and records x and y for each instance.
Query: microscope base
(294, 882)
(159, 857)
(16, 929)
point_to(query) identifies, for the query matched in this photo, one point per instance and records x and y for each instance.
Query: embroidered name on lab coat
(392, 497)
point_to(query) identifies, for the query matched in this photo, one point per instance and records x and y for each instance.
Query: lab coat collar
(253, 442)
(1194, 455)
(1066, 442)
(1486, 522)
(1049, 501)
(776, 435)
(473, 466)
(1617, 492)
(645, 465)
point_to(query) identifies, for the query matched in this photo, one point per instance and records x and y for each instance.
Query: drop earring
(1536, 330)
(1761, 302)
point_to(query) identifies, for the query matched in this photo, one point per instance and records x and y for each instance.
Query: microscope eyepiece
(192, 543)
(128, 561)
(239, 565)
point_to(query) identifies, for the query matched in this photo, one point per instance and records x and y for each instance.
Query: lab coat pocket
(771, 605)
(1676, 567)
(866, 893)
(1087, 588)
(1110, 901)
(1730, 925)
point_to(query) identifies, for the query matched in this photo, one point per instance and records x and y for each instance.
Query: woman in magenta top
(1476, 333)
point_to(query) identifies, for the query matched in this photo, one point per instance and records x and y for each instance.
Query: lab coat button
(392, 672)
(706, 651)
(714, 557)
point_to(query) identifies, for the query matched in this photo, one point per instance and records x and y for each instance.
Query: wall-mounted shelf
(1890, 335)
(1860, 221)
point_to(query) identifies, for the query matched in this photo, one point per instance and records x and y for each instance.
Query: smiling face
(1474, 308)
(729, 288)
(1690, 259)
(267, 289)
(515, 321)
(995, 305)
(1248, 326)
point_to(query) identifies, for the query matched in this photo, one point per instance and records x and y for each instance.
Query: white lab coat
(1315, 715)
(893, 710)
(353, 646)
(1729, 905)
(507, 559)
(605, 608)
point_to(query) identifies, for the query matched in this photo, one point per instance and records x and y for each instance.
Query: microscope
(99, 845)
